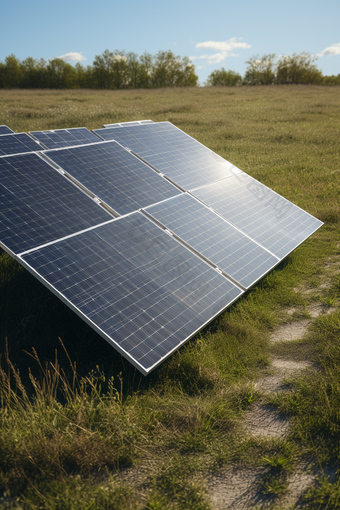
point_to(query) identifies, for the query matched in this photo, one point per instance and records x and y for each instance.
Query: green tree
(145, 70)
(297, 69)
(12, 72)
(224, 78)
(2, 75)
(34, 73)
(61, 75)
(186, 75)
(83, 76)
(118, 70)
(172, 71)
(260, 71)
(100, 71)
(331, 80)
(109, 70)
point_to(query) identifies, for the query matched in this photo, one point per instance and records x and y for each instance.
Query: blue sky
(215, 33)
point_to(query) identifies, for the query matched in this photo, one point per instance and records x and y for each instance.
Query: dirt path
(240, 488)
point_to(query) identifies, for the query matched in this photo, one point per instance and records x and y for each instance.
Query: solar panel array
(18, 143)
(65, 137)
(147, 247)
(5, 130)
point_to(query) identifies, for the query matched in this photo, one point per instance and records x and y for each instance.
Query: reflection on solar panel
(65, 137)
(133, 123)
(139, 288)
(267, 217)
(172, 152)
(117, 177)
(228, 248)
(18, 143)
(38, 205)
(4, 130)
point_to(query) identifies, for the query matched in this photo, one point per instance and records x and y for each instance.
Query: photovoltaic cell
(133, 123)
(274, 222)
(117, 177)
(228, 248)
(65, 137)
(144, 292)
(172, 152)
(5, 130)
(38, 205)
(18, 143)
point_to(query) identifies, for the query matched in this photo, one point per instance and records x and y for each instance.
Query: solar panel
(18, 143)
(274, 222)
(133, 123)
(5, 130)
(38, 205)
(213, 237)
(140, 289)
(117, 177)
(172, 152)
(65, 137)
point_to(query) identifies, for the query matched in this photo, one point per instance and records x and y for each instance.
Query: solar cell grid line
(5, 130)
(117, 177)
(271, 220)
(38, 205)
(18, 143)
(213, 237)
(172, 152)
(139, 288)
(54, 139)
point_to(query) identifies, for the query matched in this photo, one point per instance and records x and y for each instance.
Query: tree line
(271, 70)
(110, 70)
(121, 70)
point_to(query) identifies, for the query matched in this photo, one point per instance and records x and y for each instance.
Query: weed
(273, 485)
(325, 496)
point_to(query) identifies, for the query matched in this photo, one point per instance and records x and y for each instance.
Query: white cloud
(73, 56)
(330, 51)
(119, 58)
(224, 49)
(224, 46)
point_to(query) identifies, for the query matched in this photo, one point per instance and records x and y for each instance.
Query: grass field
(80, 428)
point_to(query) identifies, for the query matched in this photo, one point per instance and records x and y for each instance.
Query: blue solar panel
(5, 130)
(117, 177)
(38, 205)
(228, 248)
(65, 137)
(274, 222)
(133, 123)
(172, 152)
(139, 288)
(18, 143)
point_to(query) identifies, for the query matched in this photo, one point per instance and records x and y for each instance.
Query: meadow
(80, 428)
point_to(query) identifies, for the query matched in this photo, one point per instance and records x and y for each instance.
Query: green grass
(75, 416)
